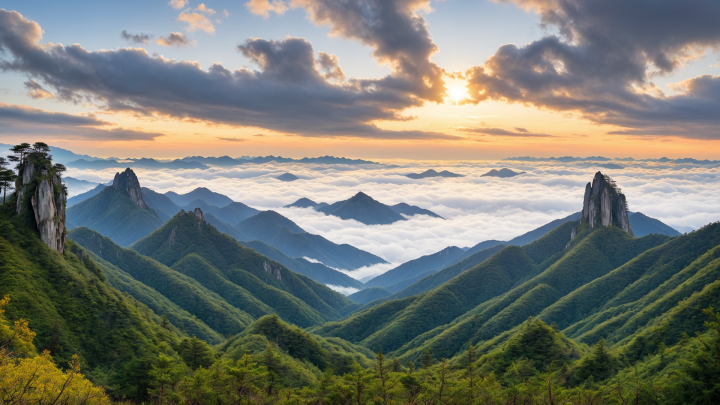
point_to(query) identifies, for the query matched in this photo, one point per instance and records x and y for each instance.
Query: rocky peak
(129, 182)
(197, 212)
(605, 204)
(47, 199)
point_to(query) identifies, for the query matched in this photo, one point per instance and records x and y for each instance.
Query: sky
(380, 79)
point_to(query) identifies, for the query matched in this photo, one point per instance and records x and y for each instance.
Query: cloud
(330, 66)
(342, 290)
(174, 39)
(602, 62)
(36, 91)
(521, 132)
(203, 9)
(231, 139)
(397, 33)
(24, 120)
(177, 4)
(135, 38)
(477, 208)
(265, 7)
(225, 13)
(289, 94)
(197, 21)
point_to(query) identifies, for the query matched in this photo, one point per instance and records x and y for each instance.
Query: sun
(457, 93)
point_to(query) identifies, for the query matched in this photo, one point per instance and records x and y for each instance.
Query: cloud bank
(476, 208)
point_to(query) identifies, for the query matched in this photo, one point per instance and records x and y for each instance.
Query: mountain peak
(129, 182)
(360, 194)
(605, 204)
(197, 212)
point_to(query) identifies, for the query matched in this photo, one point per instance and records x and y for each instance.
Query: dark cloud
(177, 39)
(231, 139)
(135, 38)
(398, 35)
(603, 60)
(521, 132)
(288, 94)
(23, 120)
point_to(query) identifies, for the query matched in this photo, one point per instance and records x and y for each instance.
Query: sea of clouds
(475, 208)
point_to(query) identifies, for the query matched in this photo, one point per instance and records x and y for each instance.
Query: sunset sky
(411, 79)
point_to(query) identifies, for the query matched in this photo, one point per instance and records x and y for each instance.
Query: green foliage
(183, 291)
(196, 353)
(73, 309)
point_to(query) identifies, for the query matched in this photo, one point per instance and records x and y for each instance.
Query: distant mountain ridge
(432, 173)
(502, 173)
(363, 208)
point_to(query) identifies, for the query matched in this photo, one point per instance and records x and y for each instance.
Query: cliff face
(605, 204)
(129, 182)
(44, 189)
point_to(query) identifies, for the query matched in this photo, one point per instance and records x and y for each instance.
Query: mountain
(189, 245)
(302, 203)
(162, 204)
(363, 208)
(200, 193)
(435, 261)
(411, 210)
(287, 177)
(539, 232)
(84, 196)
(183, 292)
(433, 173)
(502, 173)
(642, 225)
(118, 211)
(283, 234)
(369, 295)
(72, 309)
(502, 291)
(235, 212)
(316, 271)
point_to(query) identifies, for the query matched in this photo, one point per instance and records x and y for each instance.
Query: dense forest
(188, 315)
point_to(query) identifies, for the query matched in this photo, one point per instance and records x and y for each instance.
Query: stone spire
(605, 204)
(129, 182)
(47, 201)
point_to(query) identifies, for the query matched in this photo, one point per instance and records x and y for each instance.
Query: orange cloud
(265, 7)
(197, 22)
(177, 4)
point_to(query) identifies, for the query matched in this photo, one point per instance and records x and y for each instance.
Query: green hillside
(74, 310)
(263, 278)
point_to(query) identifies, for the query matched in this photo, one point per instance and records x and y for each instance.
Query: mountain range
(502, 173)
(432, 173)
(588, 312)
(365, 209)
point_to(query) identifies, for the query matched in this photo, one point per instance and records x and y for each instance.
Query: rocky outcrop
(197, 212)
(129, 182)
(605, 204)
(42, 186)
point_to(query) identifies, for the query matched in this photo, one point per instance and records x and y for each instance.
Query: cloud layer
(477, 208)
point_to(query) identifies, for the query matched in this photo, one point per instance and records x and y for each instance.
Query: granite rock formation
(605, 204)
(39, 184)
(129, 182)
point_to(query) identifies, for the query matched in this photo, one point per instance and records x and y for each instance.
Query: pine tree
(196, 353)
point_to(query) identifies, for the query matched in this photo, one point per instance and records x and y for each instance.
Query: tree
(20, 152)
(427, 358)
(7, 177)
(165, 374)
(196, 353)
